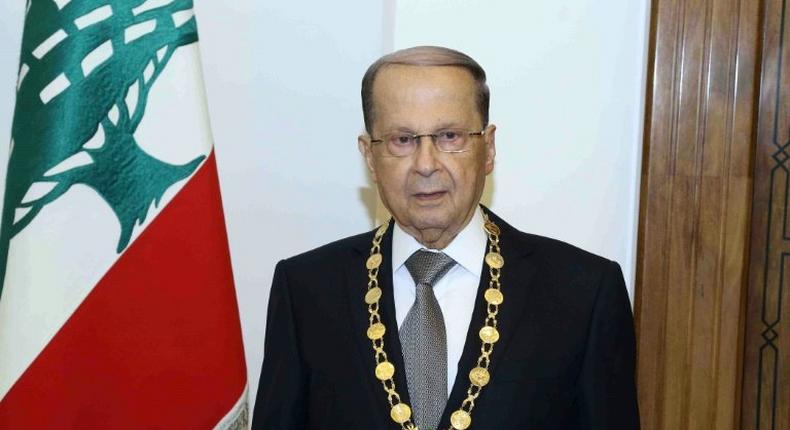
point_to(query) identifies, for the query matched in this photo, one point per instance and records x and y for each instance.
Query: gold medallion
(400, 413)
(376, 331)
(493, 296)
(491, 228)
(374, 261)
(385, 370)
(489, 334)
(373, 295)
(495, 260)
(460, 420)
(479, 376)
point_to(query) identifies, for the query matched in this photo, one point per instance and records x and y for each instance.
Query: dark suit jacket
(565, 359)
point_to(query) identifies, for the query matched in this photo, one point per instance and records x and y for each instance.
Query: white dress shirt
(455, 292)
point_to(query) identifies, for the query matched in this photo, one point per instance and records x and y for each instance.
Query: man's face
(431, 194)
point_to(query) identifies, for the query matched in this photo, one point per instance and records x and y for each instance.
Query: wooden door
(713, 268)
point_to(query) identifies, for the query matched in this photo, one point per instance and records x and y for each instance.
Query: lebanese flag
(117, 307)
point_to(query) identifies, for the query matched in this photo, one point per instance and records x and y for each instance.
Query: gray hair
(425, 56)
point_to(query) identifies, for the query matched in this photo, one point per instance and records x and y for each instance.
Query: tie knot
(428, 267)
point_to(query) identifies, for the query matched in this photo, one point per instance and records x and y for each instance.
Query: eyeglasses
(449, 140)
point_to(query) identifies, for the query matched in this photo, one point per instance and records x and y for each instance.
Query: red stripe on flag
(157, 343)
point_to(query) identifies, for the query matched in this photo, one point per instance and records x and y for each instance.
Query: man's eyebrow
(400, 129)
(441, 126)
(446, 125)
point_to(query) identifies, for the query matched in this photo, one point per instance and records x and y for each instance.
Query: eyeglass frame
(434, 138)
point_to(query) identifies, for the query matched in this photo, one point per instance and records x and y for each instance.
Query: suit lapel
(391, 337)
(356, 286)
(515, 282)
(517, 287)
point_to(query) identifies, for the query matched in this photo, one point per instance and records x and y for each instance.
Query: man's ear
(490, 147)
(363, 143)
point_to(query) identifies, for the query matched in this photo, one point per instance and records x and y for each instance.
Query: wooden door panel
(694, 211)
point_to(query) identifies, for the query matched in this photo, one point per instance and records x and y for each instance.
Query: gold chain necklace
(479, 376)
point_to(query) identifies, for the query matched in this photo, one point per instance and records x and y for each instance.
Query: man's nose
(426, 161)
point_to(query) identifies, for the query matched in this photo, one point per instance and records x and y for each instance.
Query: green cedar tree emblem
(87, 67)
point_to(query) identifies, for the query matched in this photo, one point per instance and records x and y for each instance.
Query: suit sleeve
(607, 389)
(282, 392)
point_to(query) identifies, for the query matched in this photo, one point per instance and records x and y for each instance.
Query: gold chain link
(479, 376)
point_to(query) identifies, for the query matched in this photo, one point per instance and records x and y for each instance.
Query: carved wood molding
(766, 380)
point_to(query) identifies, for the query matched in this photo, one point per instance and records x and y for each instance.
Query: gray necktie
(424, 340)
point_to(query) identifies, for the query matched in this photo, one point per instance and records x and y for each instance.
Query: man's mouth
(429, 196)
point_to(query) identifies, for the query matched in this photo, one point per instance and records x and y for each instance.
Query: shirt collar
(467, 248)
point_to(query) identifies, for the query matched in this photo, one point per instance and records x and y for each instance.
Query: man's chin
(430, 219)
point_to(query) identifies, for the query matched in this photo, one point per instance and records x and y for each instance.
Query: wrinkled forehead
(408, 94)
(401, 78)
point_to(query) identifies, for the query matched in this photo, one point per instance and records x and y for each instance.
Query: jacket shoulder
(552, 252)
(332, 252)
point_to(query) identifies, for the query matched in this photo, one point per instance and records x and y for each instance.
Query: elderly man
(446, 316)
